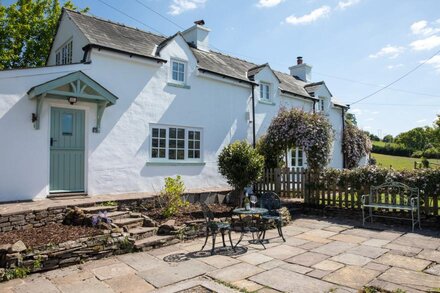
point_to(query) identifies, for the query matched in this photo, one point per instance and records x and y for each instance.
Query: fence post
(277, 178)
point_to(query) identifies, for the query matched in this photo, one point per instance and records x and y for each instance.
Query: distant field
(398, 163)
(382, 144)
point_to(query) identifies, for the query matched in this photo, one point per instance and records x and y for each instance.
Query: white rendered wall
(24, 151)
(68, 31)
(118, 158)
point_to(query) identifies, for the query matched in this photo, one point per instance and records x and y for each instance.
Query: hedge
(392, 149)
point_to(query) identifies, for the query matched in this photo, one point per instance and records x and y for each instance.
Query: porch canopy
(73, 85)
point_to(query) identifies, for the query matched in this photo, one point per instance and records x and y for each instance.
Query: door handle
(52, 141)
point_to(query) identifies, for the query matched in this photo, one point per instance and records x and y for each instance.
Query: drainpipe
(343, 135)
(314, 105)
(253, 116)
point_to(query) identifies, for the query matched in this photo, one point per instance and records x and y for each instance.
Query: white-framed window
(265, 91)
(64, 54)
(321, 105)
(178, 71)
(175, 143)
(297, 158)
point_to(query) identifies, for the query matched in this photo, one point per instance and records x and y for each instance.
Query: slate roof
(114, 35)
(111, 35)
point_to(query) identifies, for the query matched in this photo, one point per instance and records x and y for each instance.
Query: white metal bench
(392, 196)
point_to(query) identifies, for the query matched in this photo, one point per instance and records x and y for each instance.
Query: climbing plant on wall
(356, 145)
(296, 128)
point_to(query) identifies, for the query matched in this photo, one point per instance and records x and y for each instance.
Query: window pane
(190, 144)
(181, 133)
(175, 66)
(191, 154)
(172, 143)
(197, 135)
(181, 67)
(172, 133)
(154, 153)
(172, 154)
(190, 134)
(197, 154)
(181, 77)
(155, 143)
(162, 143)
(155, 132)
(162, 153)
(180, 144)
(163, 133)
(67, 123)
(180, 154)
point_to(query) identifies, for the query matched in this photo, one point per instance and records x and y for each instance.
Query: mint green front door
(66, 150)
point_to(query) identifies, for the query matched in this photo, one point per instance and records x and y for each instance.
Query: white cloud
(369, 119)
(375, 112)
(422, 28)
(388, 51)
(435, 62)
(421, 121)
(179, 6)
(347, 3)
(426, 44)
(394, 66)
(268, 3)
(309, 18)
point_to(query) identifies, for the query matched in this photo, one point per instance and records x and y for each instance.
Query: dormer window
(178, 71)
(264, 91)
(64, 54)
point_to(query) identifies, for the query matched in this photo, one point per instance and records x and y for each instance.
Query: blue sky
(356, 46)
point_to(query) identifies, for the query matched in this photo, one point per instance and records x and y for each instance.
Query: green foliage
(171, 196)
(241, 165)
(415, 139)
(37, 263)
(272, 158)
(126, 245)
(27, 28)
(109, 204)
(356, 145)
(392, 149)
(388, 138)
(297, 128)
(17, 272)
(350, 118)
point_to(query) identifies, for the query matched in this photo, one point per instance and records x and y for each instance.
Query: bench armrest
(414, 202)
(365, 198)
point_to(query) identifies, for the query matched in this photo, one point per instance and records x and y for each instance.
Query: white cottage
(117, 109)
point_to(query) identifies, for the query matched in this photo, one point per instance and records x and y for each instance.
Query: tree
(241, 165)
(27, 28)
(351, 118)
(356, 145)
(416, 139)
(388, 138)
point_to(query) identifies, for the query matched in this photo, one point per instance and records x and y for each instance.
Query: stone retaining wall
(40, 217)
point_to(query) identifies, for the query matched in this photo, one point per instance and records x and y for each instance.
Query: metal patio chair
(271, 201)
(213, 227)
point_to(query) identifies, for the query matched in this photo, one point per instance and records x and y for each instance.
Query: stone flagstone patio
(319, 256)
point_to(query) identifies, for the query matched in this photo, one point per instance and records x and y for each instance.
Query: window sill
(183, 86)
(266, 102)
(175, 163)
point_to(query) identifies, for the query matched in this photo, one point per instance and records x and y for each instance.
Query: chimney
(301, 70)
(198, 35)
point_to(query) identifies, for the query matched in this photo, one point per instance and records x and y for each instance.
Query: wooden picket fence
(315, 191)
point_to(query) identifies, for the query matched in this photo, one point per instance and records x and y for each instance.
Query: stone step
(97, 209)
(118, 215)
(129, 222)
(154, 242)
(142, 232)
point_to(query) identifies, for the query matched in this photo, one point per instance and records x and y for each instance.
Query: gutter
(253, 116)
(99, 47)
(203, 70)
(299, 96)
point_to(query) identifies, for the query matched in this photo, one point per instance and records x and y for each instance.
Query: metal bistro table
(249, 222)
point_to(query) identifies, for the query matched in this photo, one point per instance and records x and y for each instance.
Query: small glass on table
(254, 200)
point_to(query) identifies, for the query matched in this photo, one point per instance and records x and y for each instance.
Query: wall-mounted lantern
(72, 100)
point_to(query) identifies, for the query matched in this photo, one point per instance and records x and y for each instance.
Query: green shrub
(171, 196)
(392, 149)
(241, 165)
(18, 272)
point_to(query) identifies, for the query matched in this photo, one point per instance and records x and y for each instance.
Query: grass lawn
(398, 163)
